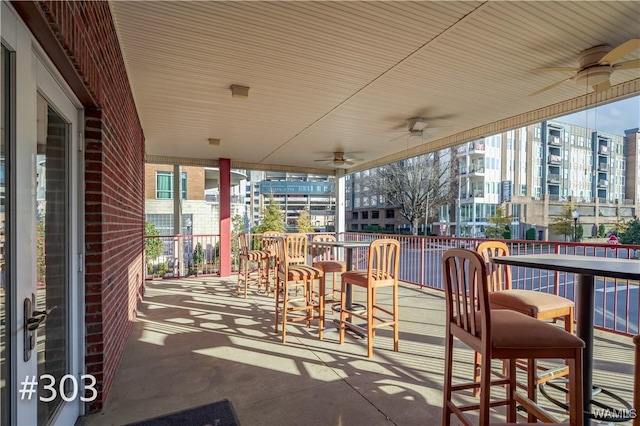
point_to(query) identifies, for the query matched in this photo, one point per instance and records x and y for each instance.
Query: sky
(614, 118)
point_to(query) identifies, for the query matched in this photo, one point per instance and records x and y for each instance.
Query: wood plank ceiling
(346, 75)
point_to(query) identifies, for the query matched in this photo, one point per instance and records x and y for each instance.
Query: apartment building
(293, 192)
(199, 205)
(251, 190)
(535, 170)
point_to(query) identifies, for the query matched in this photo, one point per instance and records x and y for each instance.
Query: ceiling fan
(418, 127)
(340, 160)
(596, 66)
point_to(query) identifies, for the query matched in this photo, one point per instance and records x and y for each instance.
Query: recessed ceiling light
(239, 91)
(214, 141)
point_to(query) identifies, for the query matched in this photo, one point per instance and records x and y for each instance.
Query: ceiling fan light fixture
(416, 124)
(593, 76)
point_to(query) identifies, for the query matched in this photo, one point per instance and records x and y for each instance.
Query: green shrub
(531, 234)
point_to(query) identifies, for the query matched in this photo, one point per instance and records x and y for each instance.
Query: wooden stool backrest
(322, 252)
(465, 282)
(499, 275)
(384, 260)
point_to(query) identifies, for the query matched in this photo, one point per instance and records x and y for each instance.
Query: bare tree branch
(418, 183)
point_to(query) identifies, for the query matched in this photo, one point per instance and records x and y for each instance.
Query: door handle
(32, 320)
(37, 318)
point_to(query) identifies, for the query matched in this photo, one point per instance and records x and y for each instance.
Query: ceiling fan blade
(325, 159)
(620, 51)
(544, 89)
(605, 85)
(403, 135)
(556, 69)
(628, 65)
(349, 162)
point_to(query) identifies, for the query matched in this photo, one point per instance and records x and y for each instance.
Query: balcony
(554, 159)
(603, 167)
(603, 149)
(476, 148)
(553, 178)
(478, 193)
(554, 140)
(235, 199)
(603, 182)
(476, 171)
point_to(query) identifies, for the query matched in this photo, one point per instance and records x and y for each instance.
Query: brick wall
(114, 179)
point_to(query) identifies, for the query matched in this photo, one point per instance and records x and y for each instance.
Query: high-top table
(587, 268)
(349, 247)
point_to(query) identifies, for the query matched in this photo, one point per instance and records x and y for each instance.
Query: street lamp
(575, 215)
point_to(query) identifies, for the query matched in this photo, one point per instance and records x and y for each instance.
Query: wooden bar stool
(295, 276)
(536, 304)
(499, 334)
(261, 257)
(325, 259)
(269, 243)
(382, 271)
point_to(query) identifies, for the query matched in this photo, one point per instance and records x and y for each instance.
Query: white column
(340, 199)
(177, 217)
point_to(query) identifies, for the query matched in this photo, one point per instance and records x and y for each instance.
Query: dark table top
(343, 244)
(586, 265)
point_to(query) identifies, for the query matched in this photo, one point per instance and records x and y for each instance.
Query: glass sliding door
(53, 253)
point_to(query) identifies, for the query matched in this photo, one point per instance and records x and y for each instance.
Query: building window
(164, 185)
(375, 214)
(354, 215)
(390, 214)
(365, 215)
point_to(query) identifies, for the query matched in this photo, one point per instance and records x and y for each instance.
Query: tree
(237, 227)
(530, 234)
(563, 224)
(499, 223)
(198, 257)
(152, 245)
(418, 185)
(620, 225)
(237, 224)
(304, 221)
(601, 230)
(273, 218)
(632, 233)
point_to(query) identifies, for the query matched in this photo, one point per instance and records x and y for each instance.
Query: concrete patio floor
(196, 342)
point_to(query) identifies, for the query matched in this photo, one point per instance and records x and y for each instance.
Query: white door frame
(35, 74)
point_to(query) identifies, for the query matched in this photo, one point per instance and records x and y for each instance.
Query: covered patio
(195, 342)
(154, 82)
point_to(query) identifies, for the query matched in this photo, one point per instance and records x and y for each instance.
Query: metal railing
(617, 301)
(184, 255)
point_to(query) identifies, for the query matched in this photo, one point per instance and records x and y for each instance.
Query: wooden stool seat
(331, 265)
(532, 303)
